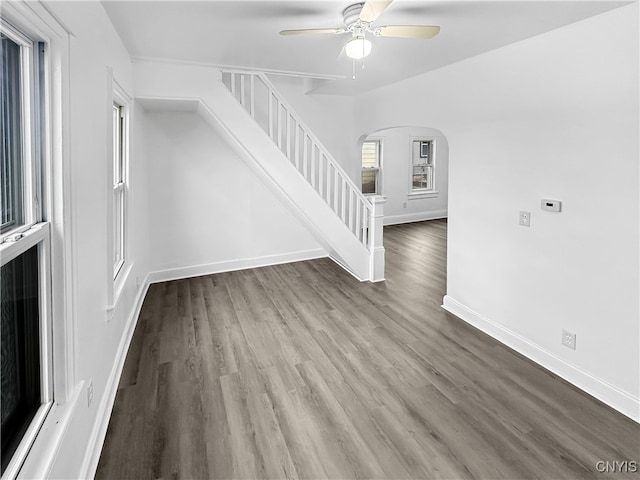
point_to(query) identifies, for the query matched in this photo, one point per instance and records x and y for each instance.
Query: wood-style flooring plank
(299, 371)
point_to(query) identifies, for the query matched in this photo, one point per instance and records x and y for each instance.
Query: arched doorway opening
(413, 172)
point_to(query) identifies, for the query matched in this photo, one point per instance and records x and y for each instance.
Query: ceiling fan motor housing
(351, 14)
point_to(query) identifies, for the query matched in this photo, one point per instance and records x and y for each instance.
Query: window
(422, 166)
(119, 200)
(26, 393)
(117, 252)
(21, 394)
(371, 167)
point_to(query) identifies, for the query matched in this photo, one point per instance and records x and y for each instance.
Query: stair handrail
(360, 225)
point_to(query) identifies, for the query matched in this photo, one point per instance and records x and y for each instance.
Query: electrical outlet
(89, 393)
(404, 205)
(525, 219)
(569, 339)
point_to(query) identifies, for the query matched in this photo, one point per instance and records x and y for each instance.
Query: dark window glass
(11, 211)
(20, 338)
(369, 181)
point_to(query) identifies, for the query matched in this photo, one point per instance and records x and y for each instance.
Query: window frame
(119, 188)
(57, 188)
(121, 269)
(377, 170)
(418, 193)
(37, 236)
(34, 231)
(30, 163)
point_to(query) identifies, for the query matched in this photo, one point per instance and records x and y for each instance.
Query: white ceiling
(245, 34)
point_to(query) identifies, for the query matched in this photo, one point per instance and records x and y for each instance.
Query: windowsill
(419, 195)
(21, 453)
(45, 447)
(118, 286)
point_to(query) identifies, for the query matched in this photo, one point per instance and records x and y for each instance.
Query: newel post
(376, 248)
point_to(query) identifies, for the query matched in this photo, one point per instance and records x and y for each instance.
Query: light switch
(525, 219)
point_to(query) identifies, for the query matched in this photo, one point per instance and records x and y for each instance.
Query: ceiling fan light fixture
(357, 48)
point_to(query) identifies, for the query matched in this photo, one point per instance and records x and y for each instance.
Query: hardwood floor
(300, 371)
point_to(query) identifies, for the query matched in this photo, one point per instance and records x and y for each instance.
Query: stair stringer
(263, 157)
(269, 164)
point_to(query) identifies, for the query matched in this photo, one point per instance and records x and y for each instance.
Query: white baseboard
(338, 261)
(414, 217)
(232, 265)
(622, 401)
(96, 440)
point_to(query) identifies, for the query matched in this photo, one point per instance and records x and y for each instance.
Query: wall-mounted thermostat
(550, 205)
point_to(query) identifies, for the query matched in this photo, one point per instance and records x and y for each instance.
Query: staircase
(246, 109)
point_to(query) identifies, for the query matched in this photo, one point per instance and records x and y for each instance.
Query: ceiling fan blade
(305, 31)
(407, 31)
(372, 9)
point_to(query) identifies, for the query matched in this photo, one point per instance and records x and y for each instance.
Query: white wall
(555, 116)
(401, 207)
(206, 208)
(139, 166)
(191, 202)
(332, 118)
(552, 116)
(95, 51)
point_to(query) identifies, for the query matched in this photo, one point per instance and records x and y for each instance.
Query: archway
(414, 172)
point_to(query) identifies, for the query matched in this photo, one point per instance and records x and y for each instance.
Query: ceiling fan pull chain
(353, 63)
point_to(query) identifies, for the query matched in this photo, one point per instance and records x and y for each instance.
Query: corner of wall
(625, 402)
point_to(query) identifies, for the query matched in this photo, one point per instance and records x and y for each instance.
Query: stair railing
(261, 100)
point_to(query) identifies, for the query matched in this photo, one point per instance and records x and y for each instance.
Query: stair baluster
(312, 160)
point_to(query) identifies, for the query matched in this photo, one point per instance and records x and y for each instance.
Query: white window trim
(378, 169)
(35, 21)
(417, 194)
(116, 282)
(58, 188)
(118, 189)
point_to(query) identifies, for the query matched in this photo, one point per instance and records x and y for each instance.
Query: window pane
(369, 182)
(21, 370)
(118, 216)
(422, 152)
(370, 166)
(422, 165)
(118, 189)
(11, 210)
(370, 154)
(422, 177)
(117, 145)
(425, 151)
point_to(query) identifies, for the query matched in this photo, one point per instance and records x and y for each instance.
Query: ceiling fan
(358, 21)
